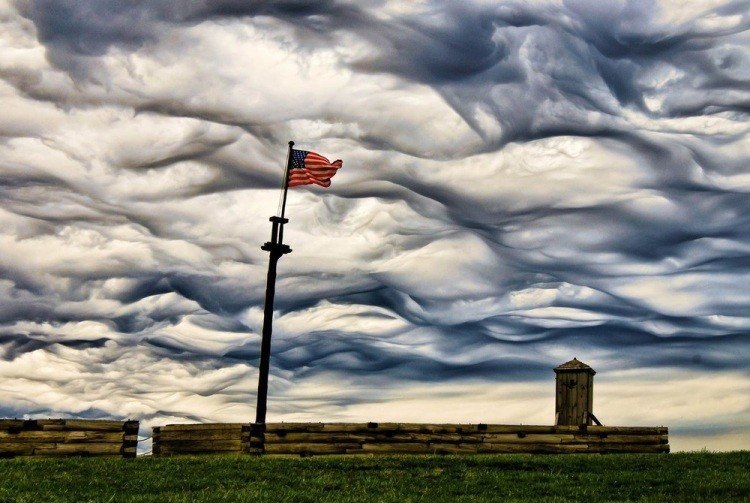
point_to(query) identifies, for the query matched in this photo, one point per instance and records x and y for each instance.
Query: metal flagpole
(276, 249)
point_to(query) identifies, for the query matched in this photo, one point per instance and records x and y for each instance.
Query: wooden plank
(310, 449)
(6, 424)
(582, 395)
(531, 448)
(590, 398)
(420, 448)
(89, 425)
(375, 437)
(200, 445)
(291, 438)
(429, 437)
(17, 449)
(302, 427)
(628, 448)
(200, 426)
(63, 436)
(439, 429)
(531, 438)
(439, 448)
(369, 428)
(363, 428)
(559, 416)
(189, 435)
(49, 422)
(622, 439)
(628, 430)
(92, 449)
(165, 454)
(523, 428)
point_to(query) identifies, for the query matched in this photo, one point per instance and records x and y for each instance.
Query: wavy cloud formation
(522, 183)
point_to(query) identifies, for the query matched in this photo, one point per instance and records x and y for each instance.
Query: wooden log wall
(216, 438)
(308, 439)
(67, 437)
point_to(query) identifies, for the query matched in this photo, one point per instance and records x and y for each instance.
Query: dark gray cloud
(523, 183)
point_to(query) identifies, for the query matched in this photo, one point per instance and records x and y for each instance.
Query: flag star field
(522, 183)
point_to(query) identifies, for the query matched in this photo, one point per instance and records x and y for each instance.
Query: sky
(522, 183)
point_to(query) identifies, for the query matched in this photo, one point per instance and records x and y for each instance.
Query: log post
(574, 394)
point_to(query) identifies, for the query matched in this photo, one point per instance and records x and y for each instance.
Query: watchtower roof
(575, 365)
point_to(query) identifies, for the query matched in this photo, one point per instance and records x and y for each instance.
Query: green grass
(617, 477)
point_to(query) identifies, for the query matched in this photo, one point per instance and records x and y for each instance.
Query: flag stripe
(311, 168)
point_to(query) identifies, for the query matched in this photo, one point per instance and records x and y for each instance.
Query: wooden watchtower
(574, 394)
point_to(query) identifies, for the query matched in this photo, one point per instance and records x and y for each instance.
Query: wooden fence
(67, 437)
(307, 439)
(211, 438)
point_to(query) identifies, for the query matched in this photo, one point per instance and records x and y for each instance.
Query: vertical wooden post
(574, 394)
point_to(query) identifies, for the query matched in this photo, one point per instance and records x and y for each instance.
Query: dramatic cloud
(523, 182)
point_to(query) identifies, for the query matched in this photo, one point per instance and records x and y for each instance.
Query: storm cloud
(523, 182)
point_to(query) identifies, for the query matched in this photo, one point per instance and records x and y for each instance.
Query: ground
(618, 477)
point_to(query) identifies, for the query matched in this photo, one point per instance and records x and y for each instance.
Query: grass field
(616, 477)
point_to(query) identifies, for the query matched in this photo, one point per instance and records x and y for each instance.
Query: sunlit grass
(626, 477)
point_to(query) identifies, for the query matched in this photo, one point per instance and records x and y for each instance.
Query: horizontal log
(440, 448)
(530, 448)
(367, 428)
(318, 437)
(301, 427)
(521, 437)
(83, 424)
(199, 426)
(17, 448)
(531, 438)
(429, 437)
(98, 449)
(628, 430)
(307, 448)
(417, 448)
(374, 437)
(438, 429)
(168, 454)
(200, 445)
(49, 427)
(221, 434)
(621, 439)
(527, 429)
(66, 436)
(628, 449)
(452, 428)
(10, 423)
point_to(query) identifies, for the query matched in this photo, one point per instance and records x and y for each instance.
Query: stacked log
(215, 438)
(307, 439)
(67, 437)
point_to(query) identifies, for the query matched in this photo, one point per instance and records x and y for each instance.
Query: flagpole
(276, 249)
(286, 177)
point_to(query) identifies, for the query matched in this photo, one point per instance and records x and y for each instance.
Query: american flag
(309, 167)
